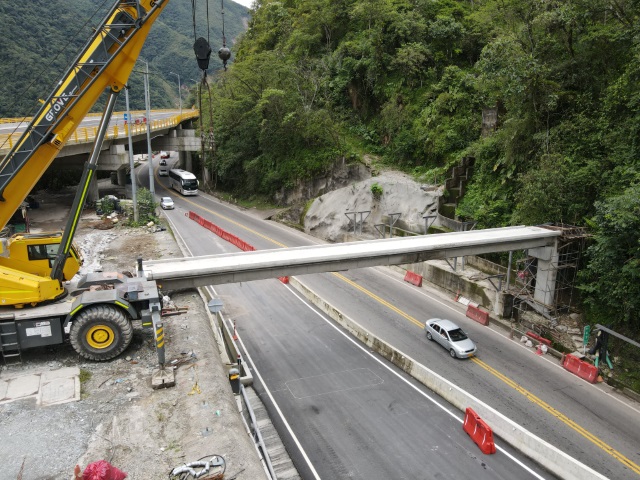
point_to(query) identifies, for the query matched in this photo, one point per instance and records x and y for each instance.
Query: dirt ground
(120, 418)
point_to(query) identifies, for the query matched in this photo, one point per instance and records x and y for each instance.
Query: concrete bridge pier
(122, 175)
(546, 274)
(185, 160)
(93, 194)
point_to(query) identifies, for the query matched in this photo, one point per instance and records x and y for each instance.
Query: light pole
(147, 101)
(131, 164)
(179, 90)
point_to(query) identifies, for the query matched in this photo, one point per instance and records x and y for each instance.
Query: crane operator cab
(34, 253)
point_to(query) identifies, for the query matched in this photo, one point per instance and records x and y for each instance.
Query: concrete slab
(3, 389)
(25, 386)
(48, 387)
(59, 390)
(65, 372)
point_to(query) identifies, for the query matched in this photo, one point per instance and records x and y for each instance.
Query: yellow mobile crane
(105, 63)
(35, 309)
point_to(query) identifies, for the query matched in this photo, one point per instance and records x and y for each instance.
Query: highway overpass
(171, 130)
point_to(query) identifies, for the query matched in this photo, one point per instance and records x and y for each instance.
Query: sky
(246, 3)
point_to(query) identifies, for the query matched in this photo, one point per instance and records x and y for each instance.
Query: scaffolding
(571, 245)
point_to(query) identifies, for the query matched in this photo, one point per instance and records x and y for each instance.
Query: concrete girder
(115, 154)
(241, 267)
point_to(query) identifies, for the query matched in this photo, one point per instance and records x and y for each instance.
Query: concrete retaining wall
(485, 265)
(530, 445)
(454, 282)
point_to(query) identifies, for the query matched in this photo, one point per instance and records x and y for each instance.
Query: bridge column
(93, 194)
(113, 158)
(186, 162)
(122, 176)
(546, 274)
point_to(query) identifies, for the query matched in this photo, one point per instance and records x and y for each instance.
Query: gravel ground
(120, 418)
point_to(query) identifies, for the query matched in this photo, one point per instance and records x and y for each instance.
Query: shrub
(376, 191)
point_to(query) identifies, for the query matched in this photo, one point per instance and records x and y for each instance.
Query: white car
(166, 203)
(451, 337)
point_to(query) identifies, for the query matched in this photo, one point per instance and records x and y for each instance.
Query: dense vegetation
(40, 38)
(319, 80)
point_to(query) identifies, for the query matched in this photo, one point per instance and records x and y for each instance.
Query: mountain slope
(41, 37)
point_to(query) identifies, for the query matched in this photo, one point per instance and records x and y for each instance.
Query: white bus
(183, 181)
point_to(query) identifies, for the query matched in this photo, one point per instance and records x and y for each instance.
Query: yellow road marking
(239, 225)
(379, 300)
(560, 416)
(530, 396)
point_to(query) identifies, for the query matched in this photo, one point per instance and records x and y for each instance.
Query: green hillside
(405, 81)
(323, 80)
(41, 38)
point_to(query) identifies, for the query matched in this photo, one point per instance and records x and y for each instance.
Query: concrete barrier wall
(447, 279)
(485, 265)
(529, 444)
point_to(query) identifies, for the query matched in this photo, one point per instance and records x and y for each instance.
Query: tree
(611, 281)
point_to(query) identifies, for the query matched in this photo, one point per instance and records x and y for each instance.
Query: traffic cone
(539, 349)
(235, 334)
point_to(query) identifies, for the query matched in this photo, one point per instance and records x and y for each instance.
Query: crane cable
(202, 49)
(224, 53)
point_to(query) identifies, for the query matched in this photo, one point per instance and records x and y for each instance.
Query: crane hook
(203, 51)
(224, 54)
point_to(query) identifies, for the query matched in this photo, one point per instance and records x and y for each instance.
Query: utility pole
(179, 90)
(131, 164)
(147, 100)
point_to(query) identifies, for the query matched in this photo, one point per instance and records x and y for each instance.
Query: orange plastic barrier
(477, 314)
(479, 431)
(241, 244)
(580, 368)
(539, 338)
(413, 278)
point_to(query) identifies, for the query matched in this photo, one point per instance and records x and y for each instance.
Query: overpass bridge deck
(246, 266)
(87, 135)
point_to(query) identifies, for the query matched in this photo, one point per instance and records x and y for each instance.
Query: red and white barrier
(474, 312)
(413, 278)
(580, 368)
(479, 431)
(539, 338)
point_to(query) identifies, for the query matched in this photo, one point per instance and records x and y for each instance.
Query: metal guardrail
(88, 134)
(252, 424)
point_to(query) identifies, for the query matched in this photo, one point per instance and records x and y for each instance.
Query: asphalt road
(342, 411)
(592, 423)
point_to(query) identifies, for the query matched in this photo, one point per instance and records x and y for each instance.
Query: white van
(163, 171)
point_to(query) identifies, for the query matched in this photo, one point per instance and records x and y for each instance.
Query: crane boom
(105, 62)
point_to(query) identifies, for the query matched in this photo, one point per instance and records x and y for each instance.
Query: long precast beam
(194, 272)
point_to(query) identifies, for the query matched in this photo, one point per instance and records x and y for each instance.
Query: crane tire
(101, 332)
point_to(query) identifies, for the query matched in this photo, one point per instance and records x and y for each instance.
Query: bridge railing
(120, 130)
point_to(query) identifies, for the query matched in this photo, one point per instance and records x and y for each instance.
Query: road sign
(126, 117)
(587, 332)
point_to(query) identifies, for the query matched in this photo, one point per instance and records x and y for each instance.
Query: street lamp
(179, 90)
(147, 101)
